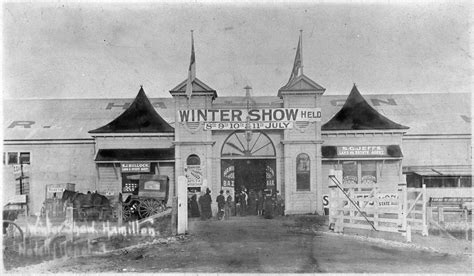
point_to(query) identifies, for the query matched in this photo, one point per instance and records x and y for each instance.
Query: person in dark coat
(238, 208)
(194, 206)
(205, 202)
(268, 207)
(220, 205)
(252, 203)
(259, 203)
(228, 205)
(243, 202)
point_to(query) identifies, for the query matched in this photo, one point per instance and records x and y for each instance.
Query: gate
(363, 206)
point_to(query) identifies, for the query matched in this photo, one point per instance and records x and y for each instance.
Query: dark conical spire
(357, 114)
(140, 116)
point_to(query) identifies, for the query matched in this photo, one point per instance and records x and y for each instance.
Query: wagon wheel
(149, 207)
(12, 234)
(126, 212)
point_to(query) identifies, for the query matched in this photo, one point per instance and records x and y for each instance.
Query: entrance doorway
(251, 174)
(248, 159)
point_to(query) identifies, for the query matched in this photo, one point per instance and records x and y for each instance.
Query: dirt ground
(254, 244)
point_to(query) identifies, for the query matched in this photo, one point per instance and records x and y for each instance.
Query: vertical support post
(174, 215)
(429, 215)
(182, 205)
(441, 216)
(332, 201)
(376, 207)
(408, 233)
(424, 232)
(119, 211)
(335, 218)
(403, 204)
(465, 213)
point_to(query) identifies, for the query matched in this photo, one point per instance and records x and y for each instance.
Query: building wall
(134, 142)
(53, 163)
(304, 138)
(435, 151)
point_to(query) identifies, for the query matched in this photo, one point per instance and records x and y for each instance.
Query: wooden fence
(363, 206)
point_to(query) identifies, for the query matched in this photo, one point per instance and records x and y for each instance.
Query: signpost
(182, 205)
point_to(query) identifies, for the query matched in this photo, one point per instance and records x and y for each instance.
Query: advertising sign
(194, 175)
(232, 119)
(135, 167)
(129, 183)
(362, 150)
(228, 173)
(385, 200)
(247, 125)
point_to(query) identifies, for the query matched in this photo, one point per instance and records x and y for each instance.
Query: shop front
(365, 146)
(133, 149)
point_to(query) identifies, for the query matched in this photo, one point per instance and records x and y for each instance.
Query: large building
(287, 142)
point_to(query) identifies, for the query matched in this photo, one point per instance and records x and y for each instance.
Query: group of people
(258, 203)
(252, 203)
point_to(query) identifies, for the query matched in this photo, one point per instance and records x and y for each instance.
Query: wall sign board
(228, 119)
(135, 167)
(362, 150)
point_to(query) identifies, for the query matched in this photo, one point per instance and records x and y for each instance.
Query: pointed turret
(357, 114)
(140, 117)
(298, 82)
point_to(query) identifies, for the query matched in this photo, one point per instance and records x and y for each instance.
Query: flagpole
(301, 50)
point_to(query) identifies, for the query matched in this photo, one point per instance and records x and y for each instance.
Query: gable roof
(301, 83)
(357, 114)
(198, 87)
(139, 117)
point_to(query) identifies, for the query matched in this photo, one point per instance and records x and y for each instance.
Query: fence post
(465, 212)
(174, 217)
(119, 213)
(334, 201)
(403, 205)
(441, 216)
(408, 233)
(424, 231)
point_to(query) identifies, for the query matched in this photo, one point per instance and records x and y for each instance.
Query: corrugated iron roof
(31, 119)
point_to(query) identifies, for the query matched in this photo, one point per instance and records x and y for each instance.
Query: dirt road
(252, 244)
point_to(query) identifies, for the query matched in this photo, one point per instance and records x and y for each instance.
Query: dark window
(303, 166)
(349, 172)
(24, 158)
(12, 158)
(441, 182)
(369, 172)
(466, 181)
(193, 160)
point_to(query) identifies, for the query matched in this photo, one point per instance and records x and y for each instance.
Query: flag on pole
(191, 71)
(298, 64)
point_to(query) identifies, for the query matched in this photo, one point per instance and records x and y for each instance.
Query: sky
(105, 50)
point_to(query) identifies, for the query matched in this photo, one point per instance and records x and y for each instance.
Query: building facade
(286, 143)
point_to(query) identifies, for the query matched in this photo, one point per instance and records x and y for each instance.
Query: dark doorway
(251, 174)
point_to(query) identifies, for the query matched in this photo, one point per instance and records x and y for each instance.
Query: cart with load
(148, 199)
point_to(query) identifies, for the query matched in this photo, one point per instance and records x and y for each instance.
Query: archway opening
(248, 163)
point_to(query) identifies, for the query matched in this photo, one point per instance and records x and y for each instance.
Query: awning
(118, 155)
(439, 171)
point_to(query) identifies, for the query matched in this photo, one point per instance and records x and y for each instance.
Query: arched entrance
(248, 159)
